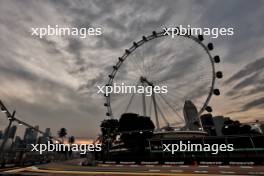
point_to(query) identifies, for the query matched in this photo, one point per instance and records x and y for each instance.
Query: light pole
(6, 135)
(12, 118)
(20, 122)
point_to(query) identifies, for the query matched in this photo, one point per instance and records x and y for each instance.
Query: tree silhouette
(236, 128)
(62, 133)
(109, 128)
(135, 130)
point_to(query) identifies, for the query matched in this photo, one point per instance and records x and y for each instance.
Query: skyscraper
(17, 142)
(192, 120)
(45, 138)
(30, 136)
(12, 132)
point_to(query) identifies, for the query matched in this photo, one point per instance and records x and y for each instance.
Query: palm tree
(62, 133)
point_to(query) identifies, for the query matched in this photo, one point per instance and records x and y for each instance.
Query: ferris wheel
(183, 64)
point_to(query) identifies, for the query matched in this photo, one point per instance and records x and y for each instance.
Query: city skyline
(51, 81)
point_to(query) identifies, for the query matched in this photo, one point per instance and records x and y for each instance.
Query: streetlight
(3, 110)
(6, 135)
(12, 118)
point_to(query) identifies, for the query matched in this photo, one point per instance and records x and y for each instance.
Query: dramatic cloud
(52, 81)
(249, 69)
(256, 103)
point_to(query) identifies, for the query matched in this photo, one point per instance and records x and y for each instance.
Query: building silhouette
(30, 136)
(262, 128)
(257, 126)
(208, 124)
(12, 132)
(219, 124)
(18, 143)
(45, 137)
(192, 120)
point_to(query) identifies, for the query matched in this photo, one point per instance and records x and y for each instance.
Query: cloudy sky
(51, 81)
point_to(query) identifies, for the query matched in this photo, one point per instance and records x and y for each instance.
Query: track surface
(73, 167)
